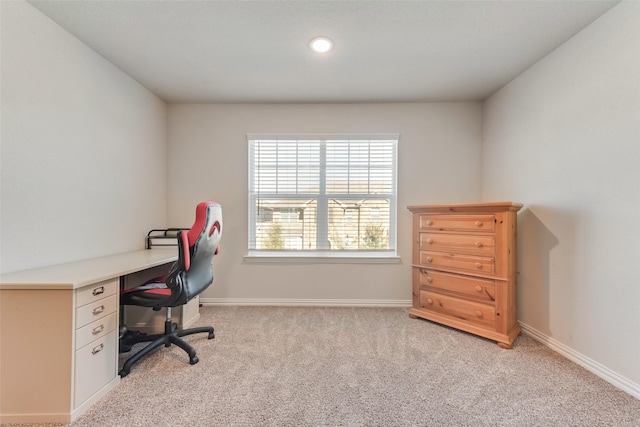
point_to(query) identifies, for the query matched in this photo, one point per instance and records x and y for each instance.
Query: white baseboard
(293, 302)
(590, 365)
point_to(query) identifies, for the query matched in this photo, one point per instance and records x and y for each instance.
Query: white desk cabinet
(96, 362)
(59, 336)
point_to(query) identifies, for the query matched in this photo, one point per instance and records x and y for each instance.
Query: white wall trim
(293, 302)
(590, 365)
(319, 258)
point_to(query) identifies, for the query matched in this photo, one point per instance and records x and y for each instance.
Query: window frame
(323, 254)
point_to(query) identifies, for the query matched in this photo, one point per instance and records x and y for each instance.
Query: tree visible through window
(322, 194)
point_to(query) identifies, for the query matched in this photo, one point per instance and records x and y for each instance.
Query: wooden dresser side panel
(502, 243)
(512, 312)
(415, 258)
(512, 244)
(502, 306)
(506, 225)
(415, 239)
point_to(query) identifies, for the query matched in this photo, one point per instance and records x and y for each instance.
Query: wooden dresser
(464, 268)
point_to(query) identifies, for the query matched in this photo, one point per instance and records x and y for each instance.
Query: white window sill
(322, 257)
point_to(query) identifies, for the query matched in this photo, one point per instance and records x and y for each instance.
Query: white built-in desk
(59, 335)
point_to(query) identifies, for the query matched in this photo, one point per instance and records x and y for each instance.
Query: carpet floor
(324, 366)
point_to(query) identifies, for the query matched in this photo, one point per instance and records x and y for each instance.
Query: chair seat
(147, 295)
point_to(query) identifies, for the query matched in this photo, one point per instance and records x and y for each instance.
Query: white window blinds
(322, 194)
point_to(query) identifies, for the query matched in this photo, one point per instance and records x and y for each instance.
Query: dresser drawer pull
(98, 310)
(426, 273)
(97, 330)
(478, 223)
(98, 291)
(479, 314)
(479, 288)
(429, 259)
(478, 265)
(429, 241)
(429, 301)
(97, 349)
(429, 222)
(478, 244)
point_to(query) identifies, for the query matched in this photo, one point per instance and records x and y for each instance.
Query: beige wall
(438, 162)
(564, 138)
(83, 167)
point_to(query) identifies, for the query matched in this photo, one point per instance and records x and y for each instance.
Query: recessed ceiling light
(321, 44)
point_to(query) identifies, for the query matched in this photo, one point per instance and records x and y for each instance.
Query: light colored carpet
(308, 366)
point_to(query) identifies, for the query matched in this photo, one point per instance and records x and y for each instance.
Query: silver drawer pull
(98, 291)
(98, 310)
(97, 349)
(97, 330)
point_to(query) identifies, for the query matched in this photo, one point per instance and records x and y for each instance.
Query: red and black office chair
(191, 274)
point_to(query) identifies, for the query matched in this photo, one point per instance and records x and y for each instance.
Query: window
(319, 196)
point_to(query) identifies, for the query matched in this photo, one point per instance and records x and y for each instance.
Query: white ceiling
(385, 51)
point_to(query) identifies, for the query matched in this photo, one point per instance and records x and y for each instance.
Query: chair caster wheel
(194, 360)
(211, 335)
(123, 373)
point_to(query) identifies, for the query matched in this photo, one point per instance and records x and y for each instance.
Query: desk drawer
(95, 330)
(96, 310)
(95, 367)
(96, 292)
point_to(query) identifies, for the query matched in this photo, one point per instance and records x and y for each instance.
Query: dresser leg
(505, 345)
(413, 316)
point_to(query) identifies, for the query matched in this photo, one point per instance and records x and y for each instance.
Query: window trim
(319, 257)
(325, 255)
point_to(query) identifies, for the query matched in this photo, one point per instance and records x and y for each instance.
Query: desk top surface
(77, 274)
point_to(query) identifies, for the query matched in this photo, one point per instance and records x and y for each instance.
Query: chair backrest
(193, 273)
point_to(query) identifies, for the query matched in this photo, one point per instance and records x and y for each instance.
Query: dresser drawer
(95, 292)
(465, 223)
(95, 330)
(96, 310)
(480, 244)
(481, 289)
(460, 309)
(95, 367)
(455, 262)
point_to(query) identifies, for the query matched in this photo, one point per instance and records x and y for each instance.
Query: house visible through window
(317, 195)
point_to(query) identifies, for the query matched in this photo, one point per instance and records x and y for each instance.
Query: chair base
(170, 336)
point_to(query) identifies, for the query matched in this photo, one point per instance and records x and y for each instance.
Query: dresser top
(467, 207)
